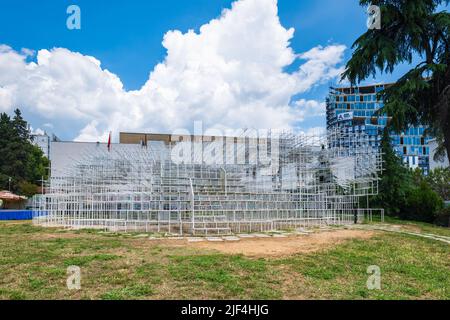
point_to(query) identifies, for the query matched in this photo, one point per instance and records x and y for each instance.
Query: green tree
(405, 193)
(19, 147)
(409, 30)
(439, 180)
(6, 133)
(423, 204)
(396, 180)
(20, 160)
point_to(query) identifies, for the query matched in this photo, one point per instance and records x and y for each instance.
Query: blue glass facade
(353, 108)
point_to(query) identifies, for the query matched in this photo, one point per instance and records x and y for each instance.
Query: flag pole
(109, 142)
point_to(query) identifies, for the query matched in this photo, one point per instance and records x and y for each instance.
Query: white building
(436, 164)
(43, 141)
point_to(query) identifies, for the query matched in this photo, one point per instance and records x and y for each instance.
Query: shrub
(422, 203)
(439, 180)
(28, 189)
(443, 218)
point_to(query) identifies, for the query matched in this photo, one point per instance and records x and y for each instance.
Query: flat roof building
(43, 141)
(438, 163)
(354, 109)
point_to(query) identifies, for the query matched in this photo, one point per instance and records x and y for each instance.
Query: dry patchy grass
(34, 262)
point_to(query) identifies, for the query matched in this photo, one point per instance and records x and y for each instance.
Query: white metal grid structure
(229, 185)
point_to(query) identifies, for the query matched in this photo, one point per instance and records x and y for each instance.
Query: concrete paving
(175, 238)
(196, 239)
(214, 239)
(231, 238)
(246, 235)
(262, 235)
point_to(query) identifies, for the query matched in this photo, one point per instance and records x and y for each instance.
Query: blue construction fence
(6, 215)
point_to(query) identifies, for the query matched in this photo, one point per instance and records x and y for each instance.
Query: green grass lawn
(424, 227)
(34, 261)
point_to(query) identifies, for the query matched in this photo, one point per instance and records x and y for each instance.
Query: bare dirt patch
(275, 247)
(251, 247)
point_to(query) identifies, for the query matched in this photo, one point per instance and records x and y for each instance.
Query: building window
(405, 150)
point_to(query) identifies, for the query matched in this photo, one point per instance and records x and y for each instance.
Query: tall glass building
(353, 108)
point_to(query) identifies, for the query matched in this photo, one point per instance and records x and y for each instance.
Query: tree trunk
(444, 113)
(446, 130)
(445, 105)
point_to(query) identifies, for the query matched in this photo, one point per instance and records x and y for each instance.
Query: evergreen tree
(439, 180)
(423, 204)
(19, 147)
(20, 126)
(396, 180)
(402, 192)
(6, 133)
(409, 29)
(20, 160)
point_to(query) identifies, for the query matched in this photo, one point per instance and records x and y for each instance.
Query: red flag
(109, 142)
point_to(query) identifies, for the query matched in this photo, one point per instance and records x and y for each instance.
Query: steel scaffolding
(219, 188)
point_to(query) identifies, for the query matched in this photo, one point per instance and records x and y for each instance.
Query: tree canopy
(20, 160)
(406, 193)
(439, 180)
(410, 30)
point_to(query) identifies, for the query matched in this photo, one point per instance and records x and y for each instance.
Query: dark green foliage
(423, 204)
(404, 193)
(27, 188)
(19, 158)
(396, 181)
(422, 95)
(443, 218)
(439, 180)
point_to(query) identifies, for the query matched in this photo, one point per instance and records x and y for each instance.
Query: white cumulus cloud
(309, 108)
(230, 74)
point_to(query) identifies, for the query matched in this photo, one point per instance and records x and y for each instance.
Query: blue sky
(126, 37)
